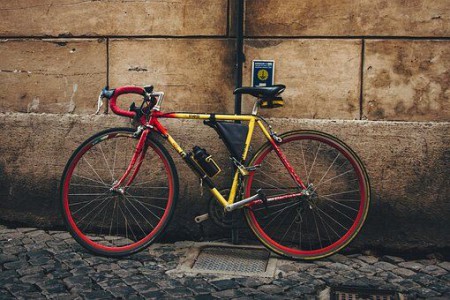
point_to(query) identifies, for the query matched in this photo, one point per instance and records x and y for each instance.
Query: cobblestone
(445, 265)
(403, 272)
(411, 265)
(434, 270)
(36, 264)
(368, 259)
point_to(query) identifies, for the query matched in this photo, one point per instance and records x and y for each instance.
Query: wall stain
(137, 69)
(263, 43)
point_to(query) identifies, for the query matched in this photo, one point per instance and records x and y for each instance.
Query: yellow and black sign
(263, 72)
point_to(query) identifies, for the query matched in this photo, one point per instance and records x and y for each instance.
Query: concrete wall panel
(51, 76)
(347, 17)
(100, 18)
(407, 163)
(322, 76)
(407, 80)
(195, 74)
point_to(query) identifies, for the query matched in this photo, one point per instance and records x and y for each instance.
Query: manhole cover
(232, 260)
(356, 293)
(226, 259)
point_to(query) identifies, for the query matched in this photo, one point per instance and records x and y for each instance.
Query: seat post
(255, 107)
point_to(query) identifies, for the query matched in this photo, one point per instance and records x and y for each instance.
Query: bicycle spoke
(278, 213)
(126, 225)
(92, 210)
(329, 226)
(341, 213)
(112, 218)
(300, 232)
(324, 227)
(87, 225)
(337, 176)
(150, 197)
(101, 180)
(96, 194)
(306, 229)
(95, 199)
(281, 165)
(328, 170)
(329, 199)
(273, 205)
(87, 185)
(312, 165)
(114, 160)
(287, 230)
(271, 185)
(138, 186)
(106, 162)
(126, 199)
(317, 230)
(87, 201)
(137, 223)
(104, 185)
(333, 219)
(341, 193)
(146, 204)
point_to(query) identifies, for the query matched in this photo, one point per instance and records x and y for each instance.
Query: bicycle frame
(152, 123)
(118, 209)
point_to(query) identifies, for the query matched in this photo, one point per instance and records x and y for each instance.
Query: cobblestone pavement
(38, 264)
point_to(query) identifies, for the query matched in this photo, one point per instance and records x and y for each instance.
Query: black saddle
(261, 91)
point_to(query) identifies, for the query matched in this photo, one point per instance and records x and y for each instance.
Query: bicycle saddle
(261, 91)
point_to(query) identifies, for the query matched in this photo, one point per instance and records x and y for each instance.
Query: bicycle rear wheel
(108, 222)
(314, 226)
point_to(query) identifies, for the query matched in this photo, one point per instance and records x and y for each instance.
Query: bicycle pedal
(201, 218)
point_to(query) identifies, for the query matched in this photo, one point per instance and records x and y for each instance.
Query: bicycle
(305, 194)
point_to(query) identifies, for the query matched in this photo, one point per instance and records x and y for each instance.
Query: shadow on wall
(15, 205)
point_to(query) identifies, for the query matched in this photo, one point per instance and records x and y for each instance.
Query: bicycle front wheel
(112, 223)
(315, 225)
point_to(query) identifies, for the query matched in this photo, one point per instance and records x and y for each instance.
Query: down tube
(207, 180)
(281, 155)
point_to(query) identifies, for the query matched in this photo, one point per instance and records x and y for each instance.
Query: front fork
(136, 161)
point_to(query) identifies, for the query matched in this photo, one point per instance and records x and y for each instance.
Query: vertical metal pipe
(240, 58)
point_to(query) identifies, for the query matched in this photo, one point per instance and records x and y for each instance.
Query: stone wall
(375, 73)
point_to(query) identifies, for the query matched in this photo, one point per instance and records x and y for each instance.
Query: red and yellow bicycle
(305, 194)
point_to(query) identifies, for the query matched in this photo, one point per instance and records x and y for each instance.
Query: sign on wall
(263, 72)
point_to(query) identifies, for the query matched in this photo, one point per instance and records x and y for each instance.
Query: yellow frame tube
(207, 116)
(251, 126)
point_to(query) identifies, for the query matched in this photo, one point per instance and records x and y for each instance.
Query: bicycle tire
(328, 219)
(145, 210)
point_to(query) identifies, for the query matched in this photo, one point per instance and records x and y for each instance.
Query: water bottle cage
(205, 162)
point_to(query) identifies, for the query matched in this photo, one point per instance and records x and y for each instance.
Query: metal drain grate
(225, 259)
(355, 293)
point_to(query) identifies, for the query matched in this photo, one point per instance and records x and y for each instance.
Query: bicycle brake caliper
(138, 131)
(243, 169)
(274, 135)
